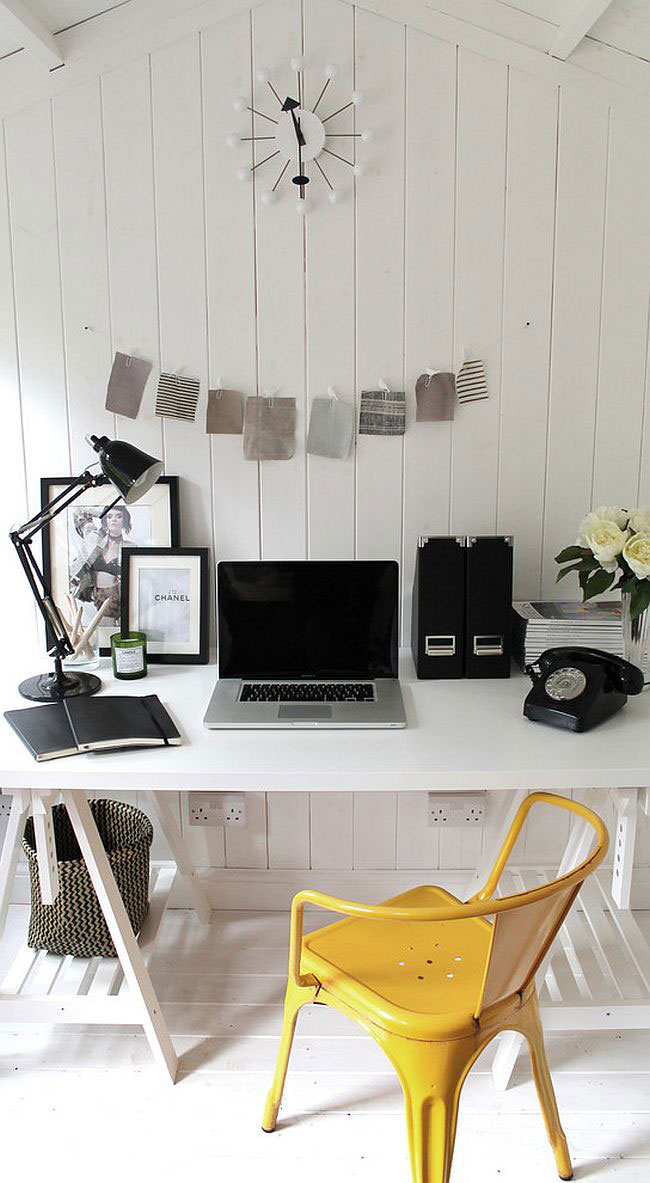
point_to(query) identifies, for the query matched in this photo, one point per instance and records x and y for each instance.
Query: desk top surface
(461, 734)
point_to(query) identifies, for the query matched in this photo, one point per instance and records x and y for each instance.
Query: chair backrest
(523, 925)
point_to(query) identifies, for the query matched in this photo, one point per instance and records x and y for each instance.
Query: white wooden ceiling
(624, 25)
(55, 15)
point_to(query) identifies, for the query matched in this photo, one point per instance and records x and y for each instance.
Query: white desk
(460, 735)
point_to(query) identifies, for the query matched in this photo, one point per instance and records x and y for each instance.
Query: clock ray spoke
(261, 114)
(261, 162)
(284, 169)
(350, 163)
(327, 82)
(343, 135)
(255, 139)
(345, 108)
(324, 175)
(270, 84)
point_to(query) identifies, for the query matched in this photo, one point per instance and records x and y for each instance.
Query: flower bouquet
(613, 550)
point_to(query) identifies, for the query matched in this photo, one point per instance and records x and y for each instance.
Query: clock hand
(291, 105)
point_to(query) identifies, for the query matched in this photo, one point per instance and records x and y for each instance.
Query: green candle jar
(129, 655)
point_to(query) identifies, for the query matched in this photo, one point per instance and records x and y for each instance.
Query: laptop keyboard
(307, 692)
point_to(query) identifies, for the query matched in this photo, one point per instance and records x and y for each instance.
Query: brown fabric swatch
(435, 396)
(269, 428)
(225, 413)
(126, 384)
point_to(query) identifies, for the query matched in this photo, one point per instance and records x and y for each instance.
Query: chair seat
(416, 978)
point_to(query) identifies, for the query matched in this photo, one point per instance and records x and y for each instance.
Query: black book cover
(45, 730)
(119, 721)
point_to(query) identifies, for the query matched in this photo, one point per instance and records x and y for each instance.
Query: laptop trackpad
(304, 712)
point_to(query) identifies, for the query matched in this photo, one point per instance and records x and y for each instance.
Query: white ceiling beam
(29, 32)
(576, 26)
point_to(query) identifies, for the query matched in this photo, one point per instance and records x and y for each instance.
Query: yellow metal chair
(433, 980)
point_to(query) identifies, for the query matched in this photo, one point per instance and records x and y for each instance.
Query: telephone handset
(578, 688)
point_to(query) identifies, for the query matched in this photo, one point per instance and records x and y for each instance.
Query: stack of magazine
(546, 624)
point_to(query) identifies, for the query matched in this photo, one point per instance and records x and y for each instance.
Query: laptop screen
(308, 619)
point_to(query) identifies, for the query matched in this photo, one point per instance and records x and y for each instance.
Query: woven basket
(74, 923)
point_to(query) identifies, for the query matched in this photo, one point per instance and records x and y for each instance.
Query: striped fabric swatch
(383, 412)
(177, 396)
(471, 383)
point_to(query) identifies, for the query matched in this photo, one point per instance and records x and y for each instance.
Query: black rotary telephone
(578, 688)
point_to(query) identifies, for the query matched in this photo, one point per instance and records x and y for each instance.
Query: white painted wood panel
(84, 274)
(582, 168)
(288, 826)
(277, 37)
(131, 235)
(12, 458)
(528, 281)
(624, 319)
(330, 274)
(480, 211)
(332, 829)
(180, 222)
(375, 831)
(380, 58)
(230, 261)
(430, 182)
(37, 281)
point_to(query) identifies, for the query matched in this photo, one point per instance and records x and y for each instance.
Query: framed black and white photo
(83, 547)
(165, 595)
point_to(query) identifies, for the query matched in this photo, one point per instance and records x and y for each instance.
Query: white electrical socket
(6, 801)
(456, 809)
(216, 809)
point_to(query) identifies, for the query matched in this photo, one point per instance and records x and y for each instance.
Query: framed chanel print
(83, 548)
(165, 595)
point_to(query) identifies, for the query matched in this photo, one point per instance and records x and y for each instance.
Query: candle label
(129, 661)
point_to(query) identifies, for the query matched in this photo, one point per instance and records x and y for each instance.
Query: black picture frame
(103, 495)
(200, 653)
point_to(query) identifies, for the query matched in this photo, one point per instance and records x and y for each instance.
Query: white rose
(606, 542)
(640, 519)
(636, 553)
(604, 513)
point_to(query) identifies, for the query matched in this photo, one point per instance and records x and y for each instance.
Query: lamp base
(55, 686)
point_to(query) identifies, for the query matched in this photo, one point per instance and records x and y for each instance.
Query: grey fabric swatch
(225, 413)
(471, 383)
(435, 396)
(383, 412)
(126, 384)
(177, 396)
(269, 428)
(331, 428)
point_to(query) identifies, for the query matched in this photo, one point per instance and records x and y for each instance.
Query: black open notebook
(93, 724)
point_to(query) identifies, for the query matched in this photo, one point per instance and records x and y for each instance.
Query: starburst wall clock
(301, 147)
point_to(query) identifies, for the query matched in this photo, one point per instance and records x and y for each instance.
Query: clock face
(301, 146)
(313, 133)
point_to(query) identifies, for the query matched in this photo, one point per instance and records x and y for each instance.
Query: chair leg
(296, 997)
(532, 1029)
(432, 1076)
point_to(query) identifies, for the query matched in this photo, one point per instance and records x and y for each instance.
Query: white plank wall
(504, 211)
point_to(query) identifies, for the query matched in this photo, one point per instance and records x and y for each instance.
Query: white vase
(635, 633)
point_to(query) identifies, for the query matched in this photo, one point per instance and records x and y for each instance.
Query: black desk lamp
(132, 472)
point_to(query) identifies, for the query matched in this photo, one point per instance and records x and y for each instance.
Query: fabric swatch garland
(177, 397)
(383, 412)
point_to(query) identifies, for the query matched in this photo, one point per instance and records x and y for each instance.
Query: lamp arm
(21, 538)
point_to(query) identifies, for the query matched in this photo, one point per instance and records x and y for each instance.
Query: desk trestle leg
(200, 901)
(128, 951)
(11, 849)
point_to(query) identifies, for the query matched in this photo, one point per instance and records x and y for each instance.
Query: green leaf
(598, 584)
(567, 570)
(571, 552)
(640, 598)
(583, 579)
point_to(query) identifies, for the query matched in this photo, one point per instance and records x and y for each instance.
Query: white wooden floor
(87, 1103)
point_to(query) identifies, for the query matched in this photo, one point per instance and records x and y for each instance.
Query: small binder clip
(128, 360)
(332, 393)
(383, 386)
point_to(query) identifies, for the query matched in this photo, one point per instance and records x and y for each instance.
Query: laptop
(307, 644)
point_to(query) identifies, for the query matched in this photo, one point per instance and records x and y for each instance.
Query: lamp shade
(131, 471)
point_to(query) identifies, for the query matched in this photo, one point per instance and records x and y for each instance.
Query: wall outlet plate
(6, 801)
(217, 809)
(456, 809)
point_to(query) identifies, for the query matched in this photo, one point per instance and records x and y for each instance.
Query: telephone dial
(578, 688)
